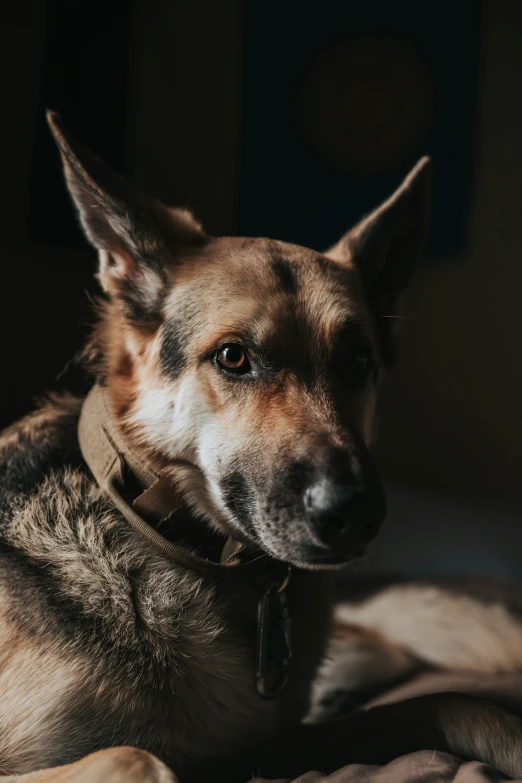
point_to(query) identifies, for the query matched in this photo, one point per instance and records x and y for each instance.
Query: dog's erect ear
(134, 233)
(385, 245)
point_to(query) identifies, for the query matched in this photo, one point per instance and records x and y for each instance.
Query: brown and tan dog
(241, 373)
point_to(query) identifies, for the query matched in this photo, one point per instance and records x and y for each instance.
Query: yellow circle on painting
(367, 103)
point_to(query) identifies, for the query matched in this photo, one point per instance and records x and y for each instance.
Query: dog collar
(138, 491)
(114, 467)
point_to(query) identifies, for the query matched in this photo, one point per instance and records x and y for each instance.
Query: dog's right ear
(385, 246)
(135, 234)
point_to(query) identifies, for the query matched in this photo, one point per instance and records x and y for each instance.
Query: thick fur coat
(245, 372)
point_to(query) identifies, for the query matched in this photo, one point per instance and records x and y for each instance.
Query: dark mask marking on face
(238, 496)
(171, 354)
(138, 309)
(286, 273)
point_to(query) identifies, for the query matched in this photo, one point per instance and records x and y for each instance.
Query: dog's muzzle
(343, 518)
(335, 504)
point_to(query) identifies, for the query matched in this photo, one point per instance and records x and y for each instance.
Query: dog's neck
(142, 495)
(147, 500)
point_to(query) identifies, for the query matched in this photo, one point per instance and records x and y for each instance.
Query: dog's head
(248, 368)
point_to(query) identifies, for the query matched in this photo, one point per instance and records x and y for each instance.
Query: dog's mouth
(303, 551)
(333, 559)
(326, 542)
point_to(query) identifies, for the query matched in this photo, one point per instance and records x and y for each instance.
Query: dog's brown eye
(233, 358)
(359, 362)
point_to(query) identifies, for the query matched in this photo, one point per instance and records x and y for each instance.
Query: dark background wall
(159, 88)
(451, 415)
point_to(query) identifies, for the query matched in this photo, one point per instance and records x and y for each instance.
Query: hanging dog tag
(273, 642)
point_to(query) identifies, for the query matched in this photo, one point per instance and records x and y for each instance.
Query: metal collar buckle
(273, 644)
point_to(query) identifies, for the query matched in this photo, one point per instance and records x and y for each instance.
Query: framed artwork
(341, 97)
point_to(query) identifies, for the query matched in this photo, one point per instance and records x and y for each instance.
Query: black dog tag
(273, 641)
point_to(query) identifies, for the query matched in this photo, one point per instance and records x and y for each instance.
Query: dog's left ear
(386, 245)
(136, 236)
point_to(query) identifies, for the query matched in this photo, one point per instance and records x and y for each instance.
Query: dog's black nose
(344, 515)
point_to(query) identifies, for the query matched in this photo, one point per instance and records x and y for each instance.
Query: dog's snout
(347, 514)
(328, 499)
(332, 502)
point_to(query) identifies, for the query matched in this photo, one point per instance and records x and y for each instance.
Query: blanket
(422, 767)
(395, 640)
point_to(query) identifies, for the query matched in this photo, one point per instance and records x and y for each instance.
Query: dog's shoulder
(43, 441)
(96, 629)
(57, 526)
(115, 635)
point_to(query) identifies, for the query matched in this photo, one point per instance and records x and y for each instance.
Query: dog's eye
(233, 358)
(358, 362)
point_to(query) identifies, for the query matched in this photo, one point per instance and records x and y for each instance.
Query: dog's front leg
(452, 722)
(113, 765)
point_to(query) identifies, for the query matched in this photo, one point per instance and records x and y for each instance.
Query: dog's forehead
(275, 262)
(277, 294)
(233, 277)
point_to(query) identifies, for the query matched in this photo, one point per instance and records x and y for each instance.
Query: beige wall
(451, 416)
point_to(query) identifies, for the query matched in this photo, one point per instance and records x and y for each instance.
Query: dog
(168, 542)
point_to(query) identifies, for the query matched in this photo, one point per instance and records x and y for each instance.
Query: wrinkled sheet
(422, 767)
(429, 766)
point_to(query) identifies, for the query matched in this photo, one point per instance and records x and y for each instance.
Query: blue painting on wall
(341, 98)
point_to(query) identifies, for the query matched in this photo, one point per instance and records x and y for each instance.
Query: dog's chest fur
(102, 642)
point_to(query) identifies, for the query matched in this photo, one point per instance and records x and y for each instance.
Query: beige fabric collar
(110, 461)
(108, 458)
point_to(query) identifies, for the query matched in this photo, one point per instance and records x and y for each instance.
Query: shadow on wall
(450, 414)
(429, 534)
